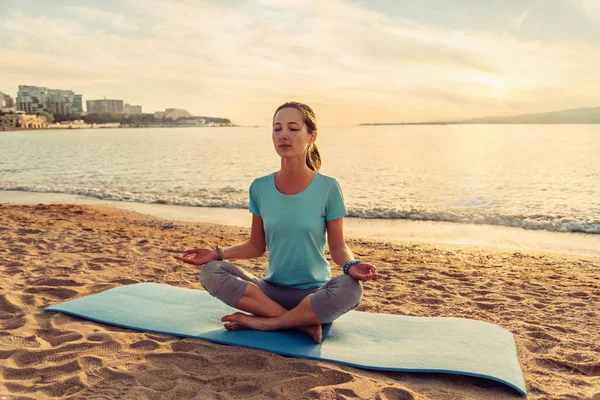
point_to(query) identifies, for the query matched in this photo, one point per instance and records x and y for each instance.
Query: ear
(314, 136)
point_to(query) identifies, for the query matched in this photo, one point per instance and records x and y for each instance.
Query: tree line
(123, 119)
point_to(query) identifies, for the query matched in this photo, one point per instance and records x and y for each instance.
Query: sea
(530, 178)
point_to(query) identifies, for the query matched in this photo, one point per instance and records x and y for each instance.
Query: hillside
(590, 115)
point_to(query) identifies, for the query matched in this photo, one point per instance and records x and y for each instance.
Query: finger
(187, 252)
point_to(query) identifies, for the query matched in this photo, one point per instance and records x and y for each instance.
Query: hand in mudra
(363, 272)
(197, 256)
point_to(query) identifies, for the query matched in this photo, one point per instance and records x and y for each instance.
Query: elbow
(340, 248)
(259, 249)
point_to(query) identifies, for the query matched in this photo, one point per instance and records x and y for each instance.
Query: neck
(294, 167)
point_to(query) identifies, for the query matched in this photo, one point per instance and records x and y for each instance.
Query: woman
(292, 209)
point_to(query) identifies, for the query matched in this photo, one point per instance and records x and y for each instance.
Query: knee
(352, 290)
(209, 273)
(343, 293)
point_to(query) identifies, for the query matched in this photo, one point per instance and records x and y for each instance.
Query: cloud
(100, 18)
(591, 9)
(218, 57)
(519, 19)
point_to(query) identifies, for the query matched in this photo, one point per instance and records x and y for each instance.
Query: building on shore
(172, 113)
(104, 106)
(35, 99)
(20, 120)
(78, 103)
(132, 110)
(81, 124)
(7, 103)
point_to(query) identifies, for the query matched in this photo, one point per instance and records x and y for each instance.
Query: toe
(227, 318)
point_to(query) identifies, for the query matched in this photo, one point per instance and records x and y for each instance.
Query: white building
(7, 103)
(35, 99)
(132, 110)
(172, 113)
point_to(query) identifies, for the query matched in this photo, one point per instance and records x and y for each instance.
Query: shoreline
(373, 229)
(76, 128)
(54, 253)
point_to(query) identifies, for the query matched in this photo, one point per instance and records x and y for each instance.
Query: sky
(351, 61)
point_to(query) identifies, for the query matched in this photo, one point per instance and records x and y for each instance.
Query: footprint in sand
(60, 293)
(184, 361)
(144, 345)
(8, 308)
(158, 379)
(536, 332)
(58, 389)
(95, 267)
(14, 267)
(250, 362)
(12, 342)
(125, 281)
(108, 260)
(393, 393)
(514, 297)
(56, 337)
(163, 338)
(43, 375)
(486, 306)
(584, 368)
(13, 323)
(57, 282)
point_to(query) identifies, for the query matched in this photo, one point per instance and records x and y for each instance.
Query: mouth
(285, 145)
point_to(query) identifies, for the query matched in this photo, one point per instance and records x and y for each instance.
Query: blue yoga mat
(361, 339)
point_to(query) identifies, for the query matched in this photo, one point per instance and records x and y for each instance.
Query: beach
(53, 253)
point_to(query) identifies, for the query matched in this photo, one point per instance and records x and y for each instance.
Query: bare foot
(240, 321)
(315, 332)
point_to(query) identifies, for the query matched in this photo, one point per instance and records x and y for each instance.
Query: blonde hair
(313, 156)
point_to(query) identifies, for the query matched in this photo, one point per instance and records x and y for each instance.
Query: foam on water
(233, 198)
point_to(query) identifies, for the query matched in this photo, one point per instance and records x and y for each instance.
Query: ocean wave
(234, 198)
(532, 222)
(226, 198)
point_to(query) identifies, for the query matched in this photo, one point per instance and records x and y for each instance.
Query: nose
(284, 135)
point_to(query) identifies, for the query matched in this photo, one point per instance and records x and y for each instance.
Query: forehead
(287, 115)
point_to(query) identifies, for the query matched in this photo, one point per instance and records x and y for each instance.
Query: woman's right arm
(253, 247)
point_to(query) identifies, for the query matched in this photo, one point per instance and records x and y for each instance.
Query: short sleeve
(253, 200)
(335, 207)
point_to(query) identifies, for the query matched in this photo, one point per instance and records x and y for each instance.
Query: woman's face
(290, 136)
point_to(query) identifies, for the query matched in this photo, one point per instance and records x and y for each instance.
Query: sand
(53, 253)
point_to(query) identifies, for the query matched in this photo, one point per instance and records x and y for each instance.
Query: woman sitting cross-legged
(293, 211)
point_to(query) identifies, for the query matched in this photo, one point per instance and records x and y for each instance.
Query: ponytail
(313, 157)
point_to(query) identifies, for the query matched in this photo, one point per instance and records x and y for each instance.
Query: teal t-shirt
(295, 227)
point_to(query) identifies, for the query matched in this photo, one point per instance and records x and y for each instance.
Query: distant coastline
(19, 120)
(589, 115)
(101, 126)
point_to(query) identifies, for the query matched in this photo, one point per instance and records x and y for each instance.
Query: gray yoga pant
(227, 282)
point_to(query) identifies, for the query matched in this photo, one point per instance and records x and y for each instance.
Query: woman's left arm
(341, 253)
